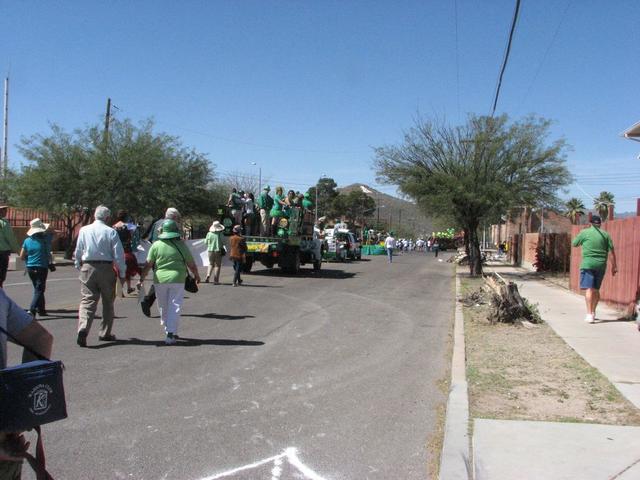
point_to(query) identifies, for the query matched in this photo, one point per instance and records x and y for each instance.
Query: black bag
(190, 284)
(223, 251)
(31, 394)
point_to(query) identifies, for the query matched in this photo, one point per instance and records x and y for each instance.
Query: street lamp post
(316, 209)
(259, 176)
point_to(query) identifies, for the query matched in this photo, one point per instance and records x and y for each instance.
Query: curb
(455, 459)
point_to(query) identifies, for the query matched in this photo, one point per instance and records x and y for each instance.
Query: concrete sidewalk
(509, 450)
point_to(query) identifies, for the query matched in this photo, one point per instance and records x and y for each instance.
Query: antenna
(5, 134)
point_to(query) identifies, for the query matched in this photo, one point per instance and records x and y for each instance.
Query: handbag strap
(185, 262)
(38, 463)
(33, 352)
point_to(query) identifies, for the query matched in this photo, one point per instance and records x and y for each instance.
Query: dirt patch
(518, 373)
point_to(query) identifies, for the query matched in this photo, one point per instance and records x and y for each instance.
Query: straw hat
(216, 227)
(37, 226)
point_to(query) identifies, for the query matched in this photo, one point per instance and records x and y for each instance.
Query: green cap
(267, 188)
(169, 230)
(306, 194)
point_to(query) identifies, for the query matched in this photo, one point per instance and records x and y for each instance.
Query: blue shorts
(590, 278)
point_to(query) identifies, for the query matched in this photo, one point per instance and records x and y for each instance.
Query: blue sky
(305, 88)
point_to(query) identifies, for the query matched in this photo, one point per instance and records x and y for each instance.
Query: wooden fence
(621, 290)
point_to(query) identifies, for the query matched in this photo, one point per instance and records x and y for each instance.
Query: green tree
(327, 193)
(601, 204)
(476, 171)
(355, 206)
(135, 169)
(574, 209)
(8, 188)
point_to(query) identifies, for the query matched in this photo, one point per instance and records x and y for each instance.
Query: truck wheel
(246, 268)
(292, 263)
(316, 265)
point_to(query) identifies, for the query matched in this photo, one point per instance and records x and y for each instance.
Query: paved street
(321, 376)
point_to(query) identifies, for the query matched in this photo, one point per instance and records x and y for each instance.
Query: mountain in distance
(395, 213)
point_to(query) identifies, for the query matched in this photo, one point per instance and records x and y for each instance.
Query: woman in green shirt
(276, 210)
(214, 249)
(171, 258)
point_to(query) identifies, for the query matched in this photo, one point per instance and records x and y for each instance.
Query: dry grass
(521, 373)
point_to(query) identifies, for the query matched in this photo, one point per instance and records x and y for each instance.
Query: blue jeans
(390, 254)
(237, 267)
(38, 276)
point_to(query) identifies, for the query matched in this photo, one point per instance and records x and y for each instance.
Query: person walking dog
(596, 245)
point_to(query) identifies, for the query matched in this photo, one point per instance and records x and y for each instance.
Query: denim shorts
(590, 278)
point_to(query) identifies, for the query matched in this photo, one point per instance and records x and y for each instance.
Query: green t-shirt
(307, 204)
(213, 242)
(596, 245)
(265, 201)
(276, 210)
(169, 265)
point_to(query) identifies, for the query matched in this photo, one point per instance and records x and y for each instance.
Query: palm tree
(601, 204)
(575, 208)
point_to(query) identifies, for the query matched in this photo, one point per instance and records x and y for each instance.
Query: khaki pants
(215, 262)
(97, 281)
(265, 225)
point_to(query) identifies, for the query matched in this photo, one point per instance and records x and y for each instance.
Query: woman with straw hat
(215, 251)
(171, 257)
(36, 251)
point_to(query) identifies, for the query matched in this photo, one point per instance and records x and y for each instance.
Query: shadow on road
(182, 342)
(304, 273)
(219, 316)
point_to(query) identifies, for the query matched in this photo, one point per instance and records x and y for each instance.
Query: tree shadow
(181, 342)
(218, 316)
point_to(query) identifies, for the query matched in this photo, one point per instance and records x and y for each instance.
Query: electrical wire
(544, 56)
(506, 56)
(455, 6)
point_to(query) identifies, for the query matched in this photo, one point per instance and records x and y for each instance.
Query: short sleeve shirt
(596, 245)
(13, 319)
(170, 267)
(213, 242)
(37, 249)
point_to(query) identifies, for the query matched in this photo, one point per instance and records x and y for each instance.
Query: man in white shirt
(389, 245)
(97, 249)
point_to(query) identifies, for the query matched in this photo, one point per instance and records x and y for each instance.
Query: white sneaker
(589, 318)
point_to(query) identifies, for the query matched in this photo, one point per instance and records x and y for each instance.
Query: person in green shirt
(276, 211)
(596, 245)
(307, 204)
(214, 249)
(265, 204)
(171, 257)
(8, 243)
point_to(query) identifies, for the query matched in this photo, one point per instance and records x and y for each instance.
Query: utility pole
(107, 120)
(5, 133)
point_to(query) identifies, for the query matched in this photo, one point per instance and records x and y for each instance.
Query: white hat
(37, 226)
(216, 227)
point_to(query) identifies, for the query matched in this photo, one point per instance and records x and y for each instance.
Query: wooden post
(610, 216)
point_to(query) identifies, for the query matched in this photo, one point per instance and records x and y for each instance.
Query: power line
(455, 6)
(506, 56)
(544, 56)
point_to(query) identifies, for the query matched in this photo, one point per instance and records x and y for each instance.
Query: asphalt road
(321, 376)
